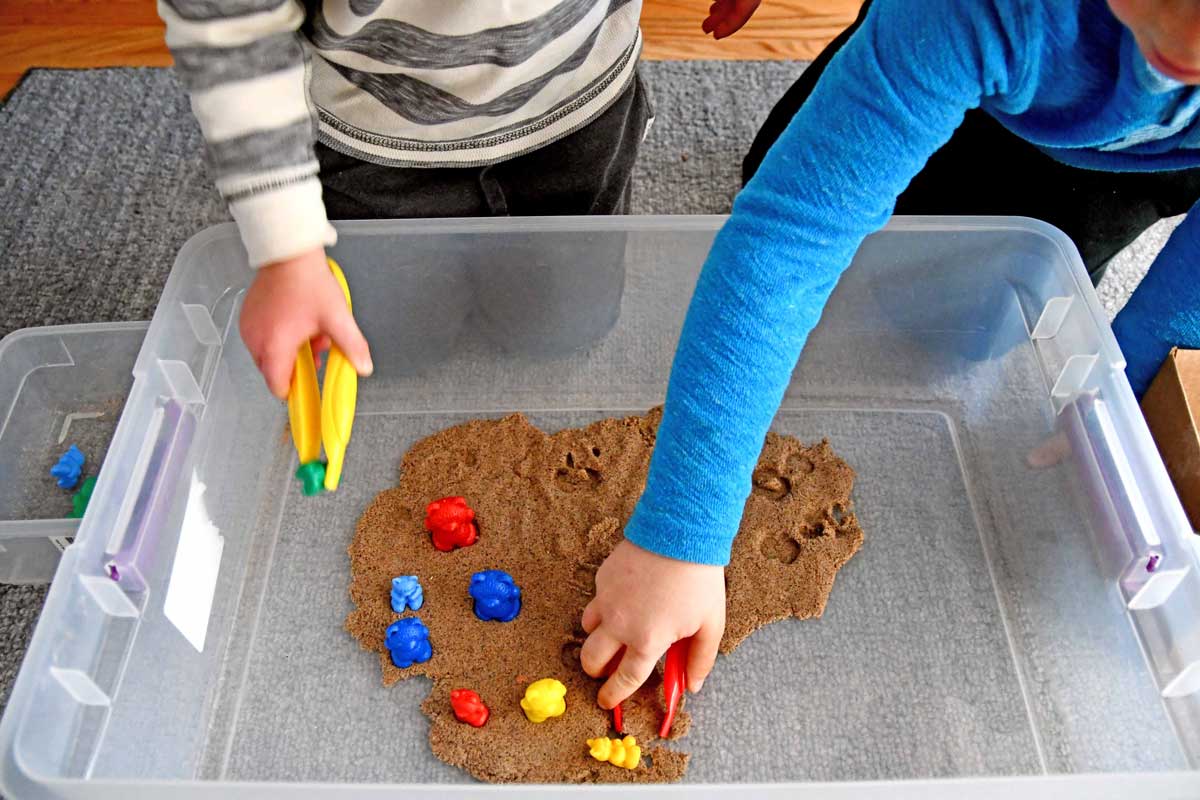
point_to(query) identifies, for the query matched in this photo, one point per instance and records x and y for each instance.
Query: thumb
(702, 654)
(342, 328)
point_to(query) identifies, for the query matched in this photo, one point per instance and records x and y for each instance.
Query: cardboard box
(1172, 407)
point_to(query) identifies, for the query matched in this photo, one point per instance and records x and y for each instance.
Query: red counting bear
(468, 707)
(452, 523)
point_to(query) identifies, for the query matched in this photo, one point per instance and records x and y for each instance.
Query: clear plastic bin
(1004, 629)
(59, 386)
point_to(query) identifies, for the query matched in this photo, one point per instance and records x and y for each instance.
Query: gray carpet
(101, 182)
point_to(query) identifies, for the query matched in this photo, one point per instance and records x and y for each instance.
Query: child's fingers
(319, 346)
(342, 329)
(613, 663)
(733, 15)
(728, 26)
(716, 12)
(277, 362)
(633, 671)
(598, 649)
(1050, 452)
(702, 654)
(591, 617)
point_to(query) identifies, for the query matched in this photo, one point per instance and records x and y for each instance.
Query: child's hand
(291, 302)
(644, 603)
(726, 17)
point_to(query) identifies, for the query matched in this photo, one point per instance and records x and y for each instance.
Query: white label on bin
(194, 573)
(62, 542)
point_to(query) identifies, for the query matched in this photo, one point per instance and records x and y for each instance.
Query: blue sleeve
(887, 101)
(1164, 311)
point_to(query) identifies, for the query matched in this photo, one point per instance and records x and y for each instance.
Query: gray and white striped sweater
(411, 83)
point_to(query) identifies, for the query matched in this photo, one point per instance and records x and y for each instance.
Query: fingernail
(367, 369)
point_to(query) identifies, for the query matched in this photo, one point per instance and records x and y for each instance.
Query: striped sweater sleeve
(244, 67)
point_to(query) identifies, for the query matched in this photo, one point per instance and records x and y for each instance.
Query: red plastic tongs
(674, 681)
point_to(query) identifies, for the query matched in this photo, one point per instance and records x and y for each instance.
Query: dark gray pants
(586, 172)
(538, 295)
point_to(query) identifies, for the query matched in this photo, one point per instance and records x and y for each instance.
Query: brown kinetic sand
(549, 509)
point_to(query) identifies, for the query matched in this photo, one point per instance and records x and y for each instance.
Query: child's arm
(244, 68)
(1164, 311)
(887, 101)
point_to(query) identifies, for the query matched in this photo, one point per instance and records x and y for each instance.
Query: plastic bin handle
(136, 548)
(1146, 571)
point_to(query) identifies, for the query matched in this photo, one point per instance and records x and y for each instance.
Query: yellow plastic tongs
(318, 417)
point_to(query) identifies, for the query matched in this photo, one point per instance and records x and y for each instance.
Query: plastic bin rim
(989, 785)
(634, 223)
(629, 222)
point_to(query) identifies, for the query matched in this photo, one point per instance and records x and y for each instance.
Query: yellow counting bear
(620, 752)
(544, 699)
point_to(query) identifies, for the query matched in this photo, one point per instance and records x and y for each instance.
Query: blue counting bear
(496, 595)
(408, 641)
(406, 591)
(68, 468)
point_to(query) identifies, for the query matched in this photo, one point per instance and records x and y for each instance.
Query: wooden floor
(100, 33)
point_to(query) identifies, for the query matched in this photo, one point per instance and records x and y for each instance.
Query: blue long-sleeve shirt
(1063, 74)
